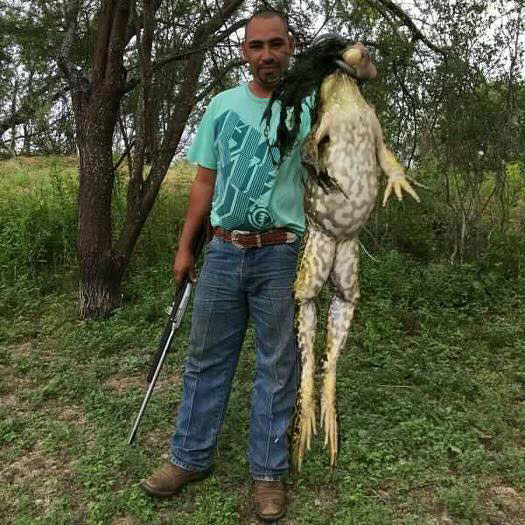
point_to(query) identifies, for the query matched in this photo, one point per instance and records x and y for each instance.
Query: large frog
(346, 142)
(342, 153)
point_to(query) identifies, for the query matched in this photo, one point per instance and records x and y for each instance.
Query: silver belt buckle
(234, 235)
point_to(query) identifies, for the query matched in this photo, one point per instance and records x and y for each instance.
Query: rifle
(177, 310)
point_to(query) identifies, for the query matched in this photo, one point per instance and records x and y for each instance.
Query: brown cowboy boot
(269, 498)
(169, 480)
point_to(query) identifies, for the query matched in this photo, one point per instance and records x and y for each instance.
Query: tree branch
(64, 64)
(185, 54)
(123, 156)
(137, 20)
(184, 103)
(144, 108)
(395, 10)
(27, 110)
(229, 66)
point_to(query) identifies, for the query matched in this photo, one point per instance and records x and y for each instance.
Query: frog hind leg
(314, 269)
(345, 278)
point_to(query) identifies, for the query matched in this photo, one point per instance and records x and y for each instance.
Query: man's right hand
(184, 264)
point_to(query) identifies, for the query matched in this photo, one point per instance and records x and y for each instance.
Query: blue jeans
(236, 284)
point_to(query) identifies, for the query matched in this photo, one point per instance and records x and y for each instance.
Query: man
(258, 219)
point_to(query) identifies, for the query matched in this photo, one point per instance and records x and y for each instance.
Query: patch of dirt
(44, 475)
(20, 349)
(13, 380)
(123, 520)
(325, 500)
(8, 400)
(71, 414)
(75, 415)
(121, 384)
(11, 387)
(443, 519)
(426, 495)
(158, 439)
(502, 505)
(505, 505)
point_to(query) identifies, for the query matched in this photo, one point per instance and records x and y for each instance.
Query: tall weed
(37, 219)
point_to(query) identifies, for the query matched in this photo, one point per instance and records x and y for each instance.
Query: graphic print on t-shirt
(245, 174)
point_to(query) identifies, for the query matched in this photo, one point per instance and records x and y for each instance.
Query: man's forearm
(199, 206)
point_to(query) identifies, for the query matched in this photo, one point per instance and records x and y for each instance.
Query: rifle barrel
(175, 323)
(179, 305)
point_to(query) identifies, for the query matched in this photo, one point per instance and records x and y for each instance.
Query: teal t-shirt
(251, 193)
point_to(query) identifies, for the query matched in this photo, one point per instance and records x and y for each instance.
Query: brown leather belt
(254, 239)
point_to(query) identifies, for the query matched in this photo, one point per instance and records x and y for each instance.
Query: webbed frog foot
(306, 427)
(329, 415)
(397, 184)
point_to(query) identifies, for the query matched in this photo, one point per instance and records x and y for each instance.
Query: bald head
(267, 14)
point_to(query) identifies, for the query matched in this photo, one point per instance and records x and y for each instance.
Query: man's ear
(243, 51)
(291, 40)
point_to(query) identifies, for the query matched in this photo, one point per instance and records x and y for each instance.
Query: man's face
(267, 48)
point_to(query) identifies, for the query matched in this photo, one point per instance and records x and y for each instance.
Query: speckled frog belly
(349, 156)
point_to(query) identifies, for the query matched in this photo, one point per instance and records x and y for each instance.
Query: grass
(431, 387)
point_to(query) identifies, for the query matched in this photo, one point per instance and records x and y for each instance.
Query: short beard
(270, 80)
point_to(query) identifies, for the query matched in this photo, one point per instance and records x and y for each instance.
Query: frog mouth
(345, 67)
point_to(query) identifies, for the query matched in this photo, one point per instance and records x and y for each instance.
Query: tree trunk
(13, 112)
(27, 140)
(100, 271)
(100, 276)
(96, 111)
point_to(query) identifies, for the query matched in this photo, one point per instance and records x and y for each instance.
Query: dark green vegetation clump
(431, 387)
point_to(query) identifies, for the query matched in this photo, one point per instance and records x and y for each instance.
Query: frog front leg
(392, 168)
(345, 278)
(314, 269)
